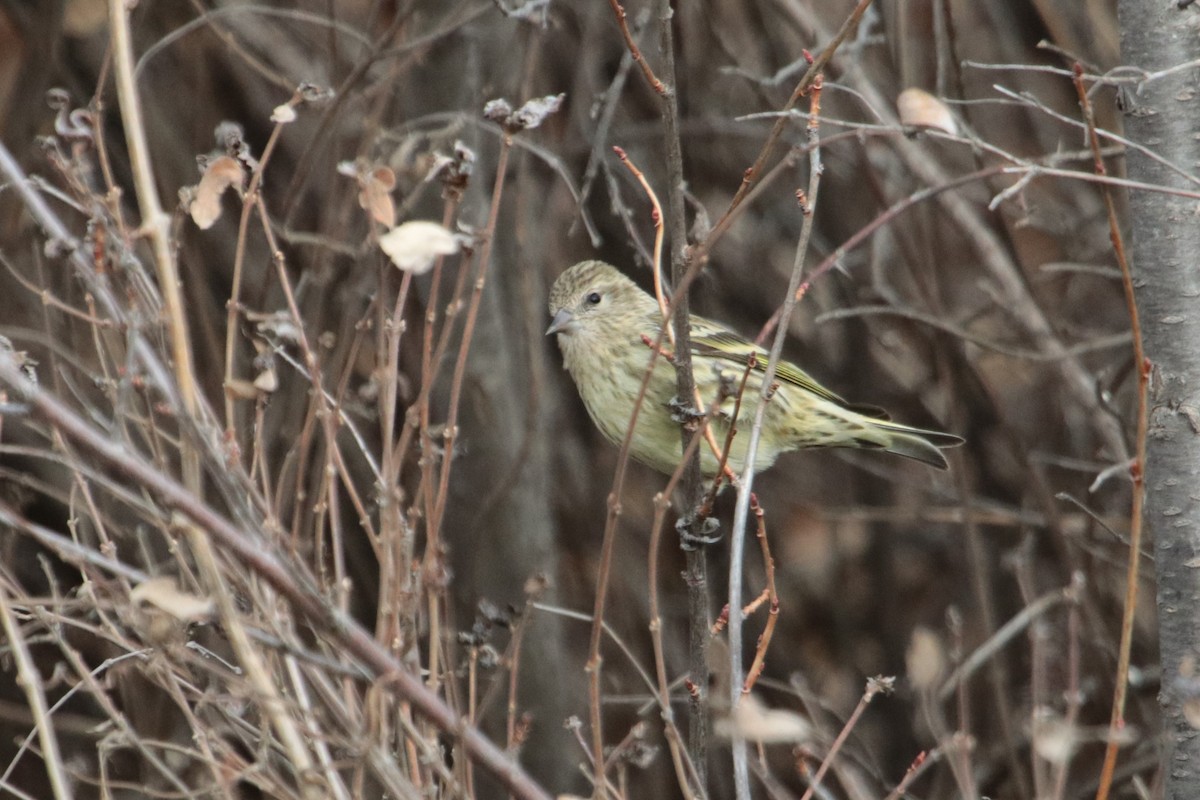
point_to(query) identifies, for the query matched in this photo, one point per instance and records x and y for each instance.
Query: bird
(606, 326)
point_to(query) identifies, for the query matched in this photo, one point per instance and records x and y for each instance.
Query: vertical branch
(1156, 37)
(737, 540)
(35, 694)
(156, 224)
(661, 504)
(692, 485)
(460, 366)
(1137, 470)
(604, 571)
(155, 221)
(233, 311)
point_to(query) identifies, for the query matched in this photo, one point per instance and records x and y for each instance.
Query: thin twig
(1137, 471)
(252, 198)
(155, 221)
(1003, 635)
(764, 641)
(862, 234)
(35, 693)
(661, 504)
(742, 508)
(460, 366)
(692, 486)
(719, 453)
(623, 24)
(802, 88)
(875, 686)
(922, 762)
(344, 631)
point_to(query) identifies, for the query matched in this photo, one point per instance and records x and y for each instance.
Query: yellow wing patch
(711, 341)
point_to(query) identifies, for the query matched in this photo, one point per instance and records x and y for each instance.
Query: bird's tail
(915, 443)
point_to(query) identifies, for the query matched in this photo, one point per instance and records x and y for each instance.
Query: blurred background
(991, 308)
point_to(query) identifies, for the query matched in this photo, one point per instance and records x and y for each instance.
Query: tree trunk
(1166, 237)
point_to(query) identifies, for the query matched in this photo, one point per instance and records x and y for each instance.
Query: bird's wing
(713, 341)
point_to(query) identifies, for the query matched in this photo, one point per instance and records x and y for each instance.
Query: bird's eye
(593, 299)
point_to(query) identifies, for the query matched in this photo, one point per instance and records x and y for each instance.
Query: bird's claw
(683, 412)
(695, 533)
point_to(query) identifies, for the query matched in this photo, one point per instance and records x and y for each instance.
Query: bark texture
(1161, 114)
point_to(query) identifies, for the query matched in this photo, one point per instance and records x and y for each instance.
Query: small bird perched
(606, 326)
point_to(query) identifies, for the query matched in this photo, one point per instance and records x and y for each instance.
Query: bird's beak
(563, 322)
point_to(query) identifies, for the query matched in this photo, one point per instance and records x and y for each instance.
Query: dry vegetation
(374, 518)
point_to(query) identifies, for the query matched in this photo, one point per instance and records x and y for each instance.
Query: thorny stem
(1137, 471)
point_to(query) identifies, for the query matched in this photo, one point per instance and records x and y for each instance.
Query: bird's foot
(696, 532)
(683, 412)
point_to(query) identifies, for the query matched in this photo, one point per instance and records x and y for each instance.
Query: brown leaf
(375, 194)
(220, 174)
(755, 722)
(240, 389)
(920, 109)
(926, 659)
(267, 381)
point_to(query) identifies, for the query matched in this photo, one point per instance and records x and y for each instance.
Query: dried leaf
(240, 389)
(375, 194)
(926, 659)
(755, 722)
(163, 594)
(267, 381)
(919, 109)
(220, 174)
(413, 246)
(535, 111)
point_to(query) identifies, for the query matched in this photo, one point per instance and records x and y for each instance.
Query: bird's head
(591, 297)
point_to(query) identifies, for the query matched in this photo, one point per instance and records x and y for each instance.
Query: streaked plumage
(600, 317)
